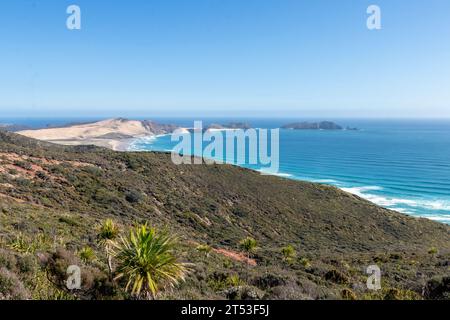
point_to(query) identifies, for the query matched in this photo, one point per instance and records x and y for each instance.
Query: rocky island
(230, 126)
(323, 125)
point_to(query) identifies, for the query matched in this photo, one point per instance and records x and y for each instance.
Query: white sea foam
(440, 217)
(329, 181)
(390, 202)
(360, 190)
(283, 174)
(278, 174)
(139, 143)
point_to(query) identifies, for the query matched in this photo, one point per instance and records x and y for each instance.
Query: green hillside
(52, 199)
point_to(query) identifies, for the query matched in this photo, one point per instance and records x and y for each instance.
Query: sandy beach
(115, 134)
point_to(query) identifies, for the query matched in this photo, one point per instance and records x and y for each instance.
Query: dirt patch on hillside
(236, 256)
(27, 167)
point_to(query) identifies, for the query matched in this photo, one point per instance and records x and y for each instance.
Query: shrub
(336, 277)
(219, 281)
(94, 171)
(20, 244)
(57, 169)
(23, 244)
(399, 294)
(240, 212)
(22, 182)
(86, 254)
(305, 262)
(205, 249)
(248, 245)
(69, 221)
(56, 265)
(269, 280)
(288, 253)
(348, 294)
(7, 260)
(94, 283)
(243, 293)
(23, 165)
(103, 196)
(133, 196)
(27, 264)
(234, 281)
(438, 288)
(433, 251)
(132, 163)
(11, 288)
(42, 175)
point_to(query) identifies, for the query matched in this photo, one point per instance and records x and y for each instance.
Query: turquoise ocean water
(401, 165)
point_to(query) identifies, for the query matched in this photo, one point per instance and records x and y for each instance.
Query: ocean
(402, 165)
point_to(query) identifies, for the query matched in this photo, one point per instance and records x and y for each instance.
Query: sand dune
(115, 134)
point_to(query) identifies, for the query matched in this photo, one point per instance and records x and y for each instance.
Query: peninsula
(114, 134)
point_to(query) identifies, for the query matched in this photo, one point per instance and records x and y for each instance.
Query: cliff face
(63, 192)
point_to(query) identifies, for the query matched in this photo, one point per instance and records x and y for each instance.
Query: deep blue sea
(399, 164)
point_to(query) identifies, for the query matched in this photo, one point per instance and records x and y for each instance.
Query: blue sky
(225, 57)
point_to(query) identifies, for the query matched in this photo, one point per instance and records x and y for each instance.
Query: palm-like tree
(288, 253)
(146, 259)
(107, 235)
(248, 245)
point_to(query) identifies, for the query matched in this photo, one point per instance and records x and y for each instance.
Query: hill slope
(62, 192)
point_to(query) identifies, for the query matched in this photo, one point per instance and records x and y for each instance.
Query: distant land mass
(323, 125)
(13, 127)
(117, 134)
(112, 133)
(231, 125)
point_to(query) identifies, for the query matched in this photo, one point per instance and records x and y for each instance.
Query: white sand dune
(112, 133)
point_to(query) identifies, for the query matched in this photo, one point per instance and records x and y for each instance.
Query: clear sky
(225, 57)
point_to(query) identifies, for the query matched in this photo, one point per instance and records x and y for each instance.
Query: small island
(323, 125)
(231, 125)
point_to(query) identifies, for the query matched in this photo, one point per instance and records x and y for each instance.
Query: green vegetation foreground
(140, 227)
